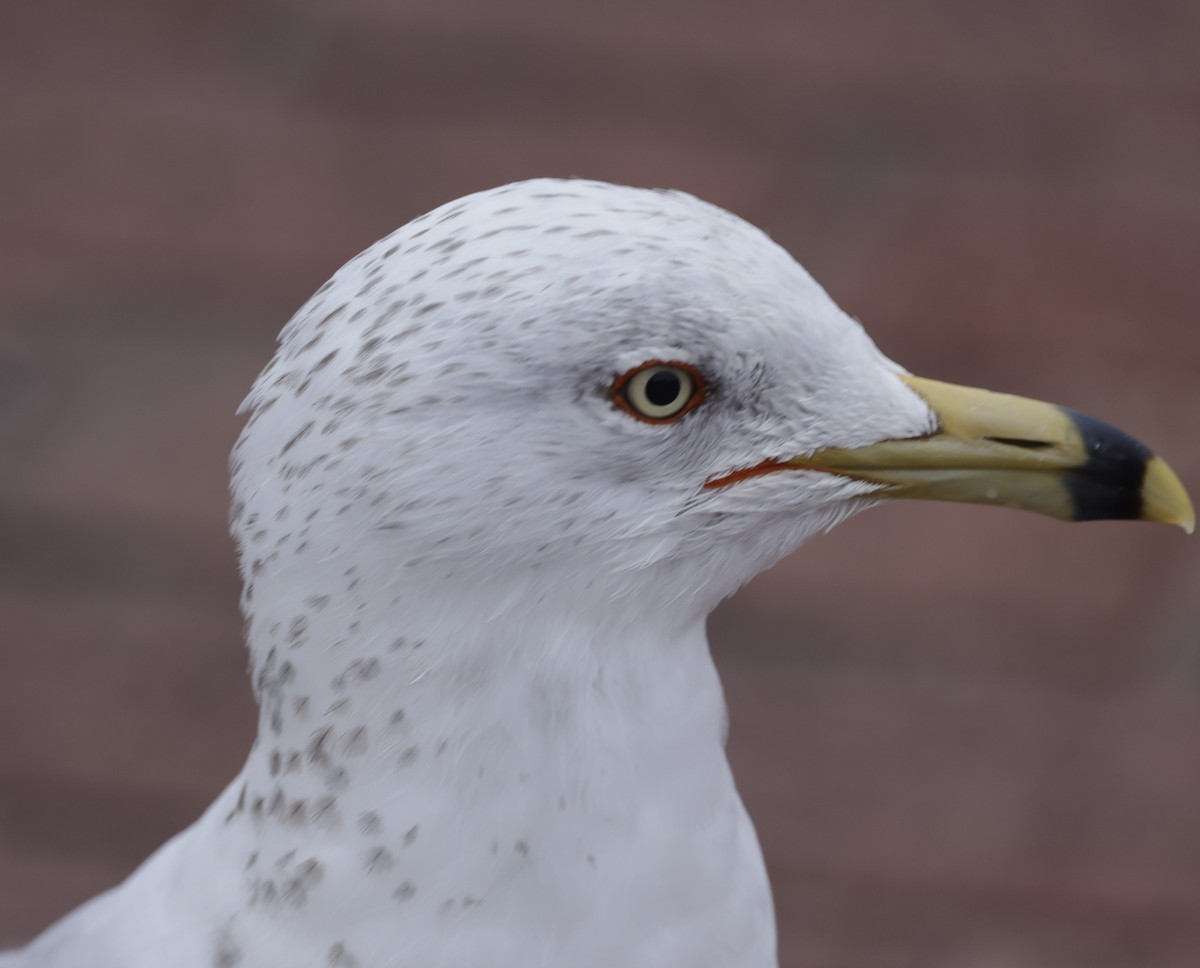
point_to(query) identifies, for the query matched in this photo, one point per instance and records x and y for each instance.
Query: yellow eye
(658, 391)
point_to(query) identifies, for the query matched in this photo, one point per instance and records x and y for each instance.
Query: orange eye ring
(660, 391)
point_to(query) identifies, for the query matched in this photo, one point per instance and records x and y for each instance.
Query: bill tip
(1165, 499)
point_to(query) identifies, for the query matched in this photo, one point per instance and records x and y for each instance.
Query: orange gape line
(766, 467)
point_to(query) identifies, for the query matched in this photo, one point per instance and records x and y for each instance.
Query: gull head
(622, 395)
(545, 379)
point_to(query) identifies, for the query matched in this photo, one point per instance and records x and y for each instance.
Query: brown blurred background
(970, 738)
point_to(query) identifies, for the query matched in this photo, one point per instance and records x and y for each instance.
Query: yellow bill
(993, 448)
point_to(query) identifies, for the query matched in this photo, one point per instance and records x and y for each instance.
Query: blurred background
(969, 738)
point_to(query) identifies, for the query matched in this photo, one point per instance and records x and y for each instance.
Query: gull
(501, 468)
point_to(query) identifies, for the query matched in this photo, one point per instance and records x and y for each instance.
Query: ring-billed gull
(501, 468)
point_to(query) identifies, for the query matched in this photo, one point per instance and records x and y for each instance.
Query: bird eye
(659, 392)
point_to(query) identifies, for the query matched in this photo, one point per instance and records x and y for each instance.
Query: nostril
(1021, 442)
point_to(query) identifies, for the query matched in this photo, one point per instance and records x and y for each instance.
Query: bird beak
(992, 448)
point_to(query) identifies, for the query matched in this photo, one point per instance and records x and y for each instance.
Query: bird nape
(501, 468)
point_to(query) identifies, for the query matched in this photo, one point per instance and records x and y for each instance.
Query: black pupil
(663, 388)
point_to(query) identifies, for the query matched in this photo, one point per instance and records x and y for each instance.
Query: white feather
(491, 732)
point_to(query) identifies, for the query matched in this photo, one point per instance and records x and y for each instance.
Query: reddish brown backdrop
(970, 738)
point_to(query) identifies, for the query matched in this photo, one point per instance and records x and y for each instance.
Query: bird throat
(452, 764)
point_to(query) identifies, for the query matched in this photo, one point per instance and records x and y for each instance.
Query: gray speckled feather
(475, 592)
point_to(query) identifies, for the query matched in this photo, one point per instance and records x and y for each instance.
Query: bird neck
(389, 710)
(511, 770)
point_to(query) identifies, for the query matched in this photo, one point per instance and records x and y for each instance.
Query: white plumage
(491, 732)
